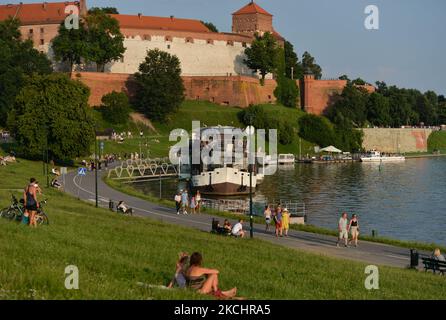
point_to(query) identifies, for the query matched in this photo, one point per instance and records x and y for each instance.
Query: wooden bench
(434, 265)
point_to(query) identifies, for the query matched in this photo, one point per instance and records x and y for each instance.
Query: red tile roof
(250, 8)
(36, 13)
(159, 23)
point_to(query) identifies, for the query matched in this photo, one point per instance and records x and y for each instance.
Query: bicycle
(15, 211)
(41, 217)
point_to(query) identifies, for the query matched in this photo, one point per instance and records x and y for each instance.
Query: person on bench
(437, 255)
(122, 207)
(205, 281)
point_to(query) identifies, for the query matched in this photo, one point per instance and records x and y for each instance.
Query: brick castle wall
(396, 140)
(234, 91)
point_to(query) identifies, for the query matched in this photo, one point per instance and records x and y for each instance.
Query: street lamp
(250, 131)
(96, 167)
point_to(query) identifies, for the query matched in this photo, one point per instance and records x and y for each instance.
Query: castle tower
(252, 19)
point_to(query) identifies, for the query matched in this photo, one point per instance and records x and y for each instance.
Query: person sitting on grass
(55, 184)
(227, 227)
(122, 207)
(205, 281)
(237, 230)
(179, 279)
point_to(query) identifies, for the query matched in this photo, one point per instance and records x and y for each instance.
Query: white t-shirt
(177, 198)
(237, 228)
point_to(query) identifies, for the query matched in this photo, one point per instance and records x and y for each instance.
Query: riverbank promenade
(367, 252)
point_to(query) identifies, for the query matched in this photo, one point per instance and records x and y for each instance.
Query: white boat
(286, 159)
(223, 179)
(376, 156)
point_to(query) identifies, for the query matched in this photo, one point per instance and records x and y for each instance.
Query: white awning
(330, 149)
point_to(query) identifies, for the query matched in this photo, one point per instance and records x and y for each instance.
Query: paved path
(368, 252)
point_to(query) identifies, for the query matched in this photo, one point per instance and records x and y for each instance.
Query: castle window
(147, 37)
(230, 43)
(244, 44)
(189, 40)
(42, 42)
(168, 38)
(168, 46)
(42, 30)
(210, 41)
(31, 31)
(122, 59)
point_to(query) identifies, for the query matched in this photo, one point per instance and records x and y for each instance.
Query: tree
(70, 45)
(344, 77)
(293, 68)
(52, 110)
(309, 64)
(317, 129)
(105, 42)
(351, 104)
(17, 60)
(210, 26)
(287, 92)
(378, 110)
(160, 86)
(108, 10)
(115, 107)
(347, 138)
(262, 54)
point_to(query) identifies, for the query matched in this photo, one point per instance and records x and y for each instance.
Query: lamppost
(96, 167)
(250, 131)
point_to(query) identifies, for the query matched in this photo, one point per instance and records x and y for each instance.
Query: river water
(404, 201)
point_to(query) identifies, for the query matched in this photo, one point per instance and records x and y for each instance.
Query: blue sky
(409, 49)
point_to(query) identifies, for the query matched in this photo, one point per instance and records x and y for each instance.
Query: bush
(317, 129)
(116, 107)
(287, 92)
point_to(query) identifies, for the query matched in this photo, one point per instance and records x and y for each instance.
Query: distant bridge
(144, 169)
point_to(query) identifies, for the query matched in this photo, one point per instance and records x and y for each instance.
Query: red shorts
(278, 224)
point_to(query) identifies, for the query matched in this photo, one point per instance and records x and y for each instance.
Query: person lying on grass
(204, 280)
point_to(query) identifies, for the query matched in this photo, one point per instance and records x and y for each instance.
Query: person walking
(278, 220)
(285, 221)
(193, 205)
(184, 201)
(178, 202)
(343, 230)
(353, 227)
(198, 201)
(267, 214)
(31, 203)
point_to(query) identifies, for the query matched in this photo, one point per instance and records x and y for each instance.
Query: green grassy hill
(209, 114)
(437, 141)
(114, 253)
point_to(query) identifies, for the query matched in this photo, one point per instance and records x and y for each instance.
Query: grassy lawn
(114, 253)
(437, 141)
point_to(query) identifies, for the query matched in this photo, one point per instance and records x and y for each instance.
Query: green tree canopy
(309, 64)
(17, 59)
(210, 26)
(160, 86)
(262, 54)
(378, 110)
(108, 10)
(105, 42)
(293, 68)
(351, 104)
(54, 109)
(115, 107)
(317, 129)
(70, 45)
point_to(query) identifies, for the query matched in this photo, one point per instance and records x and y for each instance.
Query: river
(404, 201)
